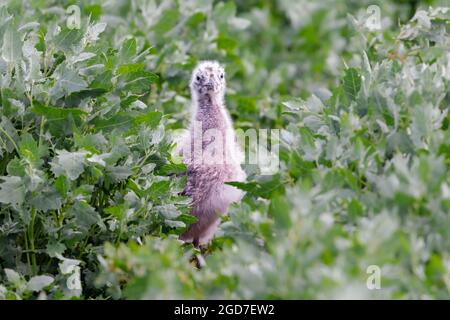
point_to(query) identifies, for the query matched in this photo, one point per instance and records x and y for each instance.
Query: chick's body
(211, 154)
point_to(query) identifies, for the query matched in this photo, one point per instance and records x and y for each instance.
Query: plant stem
(9, 138)
(41, 130)
(120, 231)
(85, 242)
(31, 237)
(27, 251)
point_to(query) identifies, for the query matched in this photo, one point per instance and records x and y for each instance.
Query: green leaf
(188, 219)
(130, 68)
(85, 216)
(62, 184)
(55, 248)
(264, 188)
(174, 223)
(159, 189)
(67, 266)
(12, 45)
(57, 114)
(70, 164)
(172, 168)
(352, 83)
(8, 134)
(117, 211)
(435, 269)
(46, 199)
(118, 173)
(67, 81)
(13, 277)
(167, 21)
(68, 39)
(16, 168)
(279, 210)
(224, 12)
(103, 81)
(226, 43)
(168, 211)
(250, 187)
(196, 19)
(120, 121)
(37, 283)
(139, 82)
(93, 31)
(151, 119)
(76, 98)
(29, 149)
(12, 190)
(128, 49)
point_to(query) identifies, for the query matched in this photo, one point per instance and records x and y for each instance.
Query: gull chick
(211, 154)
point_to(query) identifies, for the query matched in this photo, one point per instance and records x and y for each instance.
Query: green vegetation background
(90, 205)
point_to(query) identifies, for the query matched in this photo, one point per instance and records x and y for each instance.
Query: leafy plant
(90, 203)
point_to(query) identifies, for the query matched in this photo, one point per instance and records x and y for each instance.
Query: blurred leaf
(12, 190)
(37, 283)
(168, 20)
(68, 163)
(352, 83)
(279, 209)
(151, 119)
(12, 45)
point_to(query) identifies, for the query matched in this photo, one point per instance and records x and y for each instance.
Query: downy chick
(211, 154)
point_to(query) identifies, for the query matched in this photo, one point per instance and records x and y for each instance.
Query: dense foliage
(89, 190)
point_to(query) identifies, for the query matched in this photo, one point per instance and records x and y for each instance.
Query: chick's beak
(210, 85)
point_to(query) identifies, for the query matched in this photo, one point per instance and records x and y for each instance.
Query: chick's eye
(221, 76)
(198, 78)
